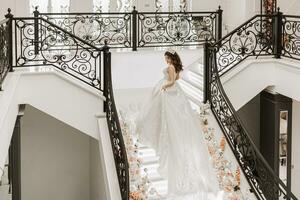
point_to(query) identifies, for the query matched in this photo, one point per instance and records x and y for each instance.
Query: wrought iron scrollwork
(141, 29)
(39, 42)
(249, 39)
(117, 141)
(180, 29)
(4, 49)
(262, 179)
(96, 28)
(58, 48)
(291, 37)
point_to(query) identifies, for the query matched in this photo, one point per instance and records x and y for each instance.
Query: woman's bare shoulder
(171, 68)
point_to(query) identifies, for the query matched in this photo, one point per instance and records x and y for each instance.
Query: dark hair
(175, 60)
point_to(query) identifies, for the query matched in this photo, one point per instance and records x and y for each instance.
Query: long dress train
(168, 124)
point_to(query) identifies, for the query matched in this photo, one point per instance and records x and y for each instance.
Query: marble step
(161, 186)
(146, 152)
(197, 68)
(195, 102)
(147, 160)
(194, 93)
(193, 79)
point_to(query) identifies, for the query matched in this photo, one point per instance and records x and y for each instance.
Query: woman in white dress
(168, 124)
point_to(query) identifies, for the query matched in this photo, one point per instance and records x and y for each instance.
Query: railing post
(36, 30)
(105, 72)
(277, 34)
(10, 39)
(134, 29)
(206, 72)
(219, 24)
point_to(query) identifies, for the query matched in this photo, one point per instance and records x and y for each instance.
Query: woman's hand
(163, 88)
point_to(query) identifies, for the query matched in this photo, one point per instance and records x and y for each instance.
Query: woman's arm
(171, 78)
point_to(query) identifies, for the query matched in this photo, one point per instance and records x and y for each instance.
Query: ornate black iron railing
(291, 36)
(4, 50)
(178, 28)
(96, 28)
(263, 35)
(117, 141)
(35, 41)
(38, 42)
(249, 39)
(261, 177)
(141, 29)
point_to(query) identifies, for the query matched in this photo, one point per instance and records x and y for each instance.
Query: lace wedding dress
(168, 124)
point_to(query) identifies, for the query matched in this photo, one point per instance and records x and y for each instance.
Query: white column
(81, 6)
(171, 5)
(189, 5)
(233, 19)
(49, 6)
(251, 8)
(146, 6)
(113, 5)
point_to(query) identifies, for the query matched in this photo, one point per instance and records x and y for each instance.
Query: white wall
(252, 76)
(56, 98)
(143, 68)
(58, 162)
(296, 148)
(55, 159)
(291, 7)
(97, 187)
(205, 5)
(234, 13)
(18, 7)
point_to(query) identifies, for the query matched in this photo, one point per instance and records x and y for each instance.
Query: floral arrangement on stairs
(229, 177)
(140, 185)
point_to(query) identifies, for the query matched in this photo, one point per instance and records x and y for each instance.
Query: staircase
(149, 165)
(260, 176)
(143, 163)
(148, 162)
(192, 82)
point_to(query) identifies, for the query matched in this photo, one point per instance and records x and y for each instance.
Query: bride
(168, 124)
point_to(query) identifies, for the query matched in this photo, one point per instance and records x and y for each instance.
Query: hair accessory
(172, 51)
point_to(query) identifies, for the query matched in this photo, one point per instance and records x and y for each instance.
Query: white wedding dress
(168, 124)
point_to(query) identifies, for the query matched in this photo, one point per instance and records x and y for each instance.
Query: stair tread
(189, 87)
(191, 90)
(196, 68)
(197, 84)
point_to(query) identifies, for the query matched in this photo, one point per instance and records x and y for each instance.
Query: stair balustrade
(4, 50)
(274, 36)
(141, 29)
(61, 41)
(35, 41)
